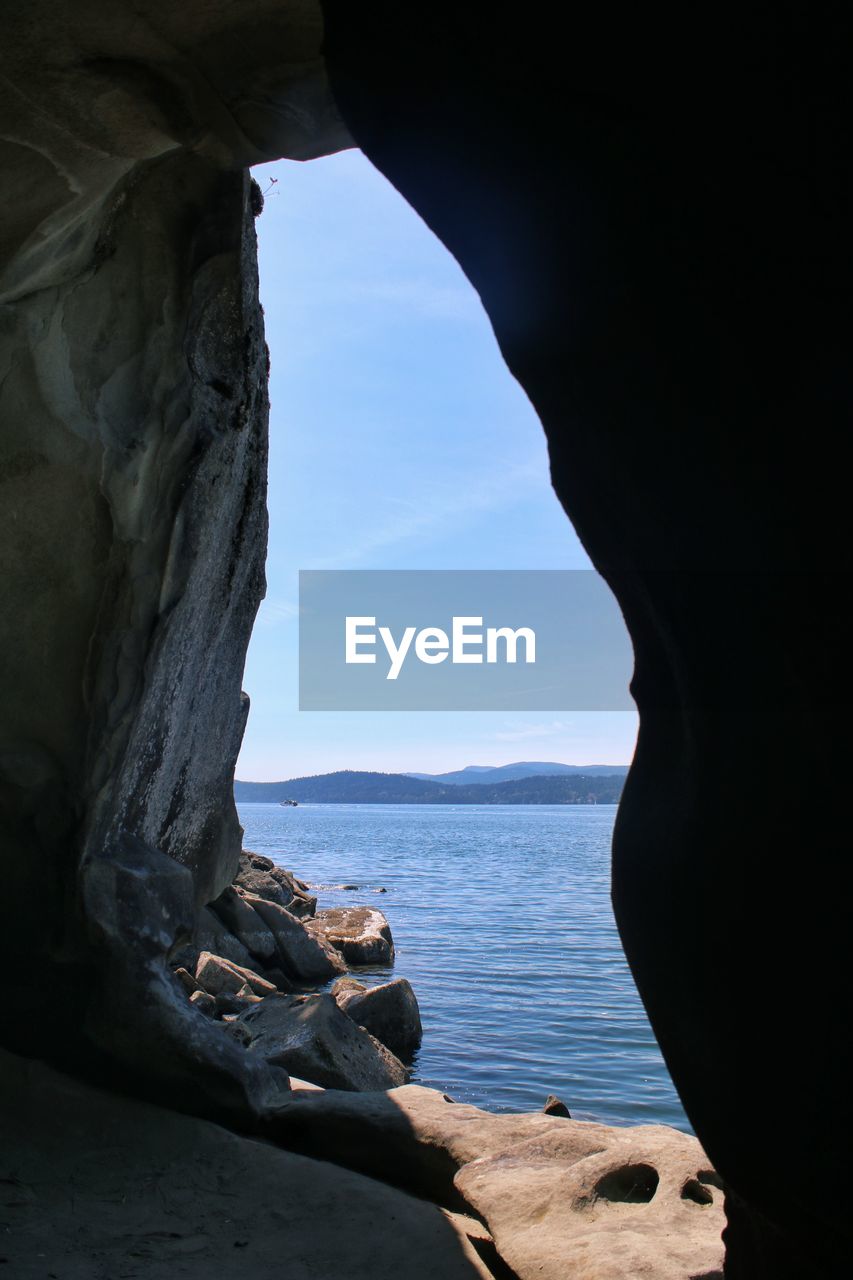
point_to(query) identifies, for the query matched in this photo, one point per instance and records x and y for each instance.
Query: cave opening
(400, 440)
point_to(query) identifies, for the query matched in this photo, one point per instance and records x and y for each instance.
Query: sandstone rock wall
(133, 403)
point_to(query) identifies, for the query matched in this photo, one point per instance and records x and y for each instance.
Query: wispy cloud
(547, 730)
(274, 611)
(444, 508)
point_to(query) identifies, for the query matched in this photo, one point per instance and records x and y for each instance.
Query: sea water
(502, 922)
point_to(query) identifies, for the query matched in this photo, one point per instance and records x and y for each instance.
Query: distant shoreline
(356, 787)
(445, 804)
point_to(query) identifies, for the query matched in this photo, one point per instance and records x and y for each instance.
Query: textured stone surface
(215, 975)
(389, 1012)
(302, 954)
(212, 935)
(138, 903)
(312, 1037)
(560, 1197)
(246, 925)
(129, 1189)
(361, 934)
(262, 878)
(647, 1204)
(133, 404)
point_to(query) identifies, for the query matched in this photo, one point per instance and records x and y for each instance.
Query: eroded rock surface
(133, 375)
(132, 1189)
(560, 1197)
(361, 934)
(647, 1204)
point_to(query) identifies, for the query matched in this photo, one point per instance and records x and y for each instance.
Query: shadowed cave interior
(666, 264)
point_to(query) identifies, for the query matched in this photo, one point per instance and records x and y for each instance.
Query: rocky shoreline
(347, 1148)
(262, 951)
(536, 1196)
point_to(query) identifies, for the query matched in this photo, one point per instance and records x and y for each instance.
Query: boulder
(554, 1106)
(230, 1004)
(212, 935)
(562, 1198)
(261, 877)
(246, 993)
(361, 934)
(203, 1002)
(648, 1204)
(186, 980)
(389, 1012)
(302, 955)
(243, 921)
(218, 976)
(311, 1037)
(279, 979)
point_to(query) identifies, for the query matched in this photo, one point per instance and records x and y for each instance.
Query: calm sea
(502, 923)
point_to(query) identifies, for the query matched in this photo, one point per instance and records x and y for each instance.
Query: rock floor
(99, 1187)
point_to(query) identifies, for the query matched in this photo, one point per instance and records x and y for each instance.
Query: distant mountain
(355, 787)
(523, 769)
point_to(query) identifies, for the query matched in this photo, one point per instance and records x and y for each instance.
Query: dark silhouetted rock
(204, 1002)
(212, 935)
(186, 980)
(105, 1186)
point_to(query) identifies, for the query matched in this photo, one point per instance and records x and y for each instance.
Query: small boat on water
(288, 804)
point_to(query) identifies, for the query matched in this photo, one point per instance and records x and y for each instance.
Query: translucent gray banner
(460, 640)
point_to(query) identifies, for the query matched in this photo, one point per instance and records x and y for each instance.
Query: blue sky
(398, 440)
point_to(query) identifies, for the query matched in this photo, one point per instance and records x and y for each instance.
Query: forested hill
(353, 787)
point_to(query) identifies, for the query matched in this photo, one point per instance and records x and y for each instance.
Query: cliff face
(133, 397)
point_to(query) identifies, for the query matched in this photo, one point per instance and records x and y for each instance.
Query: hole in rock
(632, 1184)
(694, 1190)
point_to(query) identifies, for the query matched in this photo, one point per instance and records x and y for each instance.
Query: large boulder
(389, 1012)
(240, 917)
(302, 955)
(212, 935)
(217, 976)
(647, 1204)
(361, 934)
(319, 1043)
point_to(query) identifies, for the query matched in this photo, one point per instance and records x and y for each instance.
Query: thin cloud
(273, 611)
(547, 730)
(501, 488)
